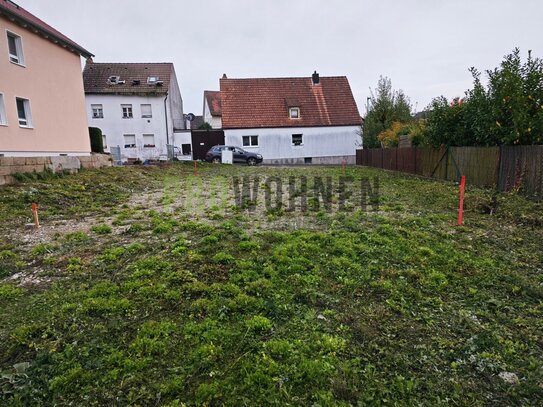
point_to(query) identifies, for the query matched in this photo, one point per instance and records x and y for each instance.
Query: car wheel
(216, 160)
(251, 161)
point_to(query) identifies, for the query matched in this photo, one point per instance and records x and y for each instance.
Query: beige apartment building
(42, 101)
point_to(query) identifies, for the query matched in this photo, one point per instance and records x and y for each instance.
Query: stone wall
(72, 164)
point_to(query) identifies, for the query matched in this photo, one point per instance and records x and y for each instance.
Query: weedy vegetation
(129, 295)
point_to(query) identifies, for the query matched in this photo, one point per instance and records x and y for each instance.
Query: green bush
(507, 111)
(96, 140)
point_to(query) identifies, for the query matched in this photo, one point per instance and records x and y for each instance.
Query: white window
(250, 141)
(127, 111)
(152, 79)
(3, 117)
(294, 112)
(149, 140)
(15, 46)
(104, 141)
(97, 111)
(112, 80)
(129, 141)
(23, 112)
(297, 140)
(146, 111)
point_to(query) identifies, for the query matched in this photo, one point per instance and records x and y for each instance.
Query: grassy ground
(148, 286)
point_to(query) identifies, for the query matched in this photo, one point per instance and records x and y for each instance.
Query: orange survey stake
(35, 213)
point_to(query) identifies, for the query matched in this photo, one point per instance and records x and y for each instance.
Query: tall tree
(385, 107)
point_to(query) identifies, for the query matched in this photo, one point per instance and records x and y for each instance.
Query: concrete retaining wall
(15, 165)
(330, 160)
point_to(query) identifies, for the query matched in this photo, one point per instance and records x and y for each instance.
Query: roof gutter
(48, 34)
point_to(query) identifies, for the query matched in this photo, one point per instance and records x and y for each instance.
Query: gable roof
(213, 98)
(16, 13)
(96, 78)
(259, 103)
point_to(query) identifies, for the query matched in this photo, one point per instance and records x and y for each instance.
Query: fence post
(447, 164)
(498, 168)
(416, 152)
(461, 207)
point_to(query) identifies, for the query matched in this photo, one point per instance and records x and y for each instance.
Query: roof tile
(96, 75)
(259, 103)
(213, 98)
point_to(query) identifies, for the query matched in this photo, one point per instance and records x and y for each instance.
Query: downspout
(166, 116)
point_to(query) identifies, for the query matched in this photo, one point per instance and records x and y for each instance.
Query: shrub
(95, 135)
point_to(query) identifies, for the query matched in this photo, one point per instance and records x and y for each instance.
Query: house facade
(138, 107)
(212, 112)
(309, 120)
(42, 104)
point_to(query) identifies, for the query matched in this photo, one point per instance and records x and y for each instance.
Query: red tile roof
(96, 75)
(258, 103)
(213, 98)
(16, 13)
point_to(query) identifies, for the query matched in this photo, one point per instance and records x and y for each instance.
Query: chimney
(316, 78)
(224, 76)
(89, 60)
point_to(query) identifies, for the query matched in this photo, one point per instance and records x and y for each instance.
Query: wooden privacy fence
(506, 167)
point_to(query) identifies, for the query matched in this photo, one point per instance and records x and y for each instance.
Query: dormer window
(112, 80)
(294, 112)
(152, 79)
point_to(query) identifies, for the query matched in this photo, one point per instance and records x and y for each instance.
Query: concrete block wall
(330, 160)
(13, 165)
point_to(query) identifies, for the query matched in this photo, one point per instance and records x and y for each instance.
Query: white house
(212, 109)
(292, 120)
(138, 107)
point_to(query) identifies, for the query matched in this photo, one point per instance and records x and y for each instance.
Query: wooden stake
(343, 166)
(195, 168)
(35, 213)
(461, 207)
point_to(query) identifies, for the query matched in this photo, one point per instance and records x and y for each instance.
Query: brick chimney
(316, 78)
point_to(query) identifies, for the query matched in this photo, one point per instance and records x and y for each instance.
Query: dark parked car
(239, 155)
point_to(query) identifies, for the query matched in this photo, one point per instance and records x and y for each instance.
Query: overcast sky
(424, 46)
